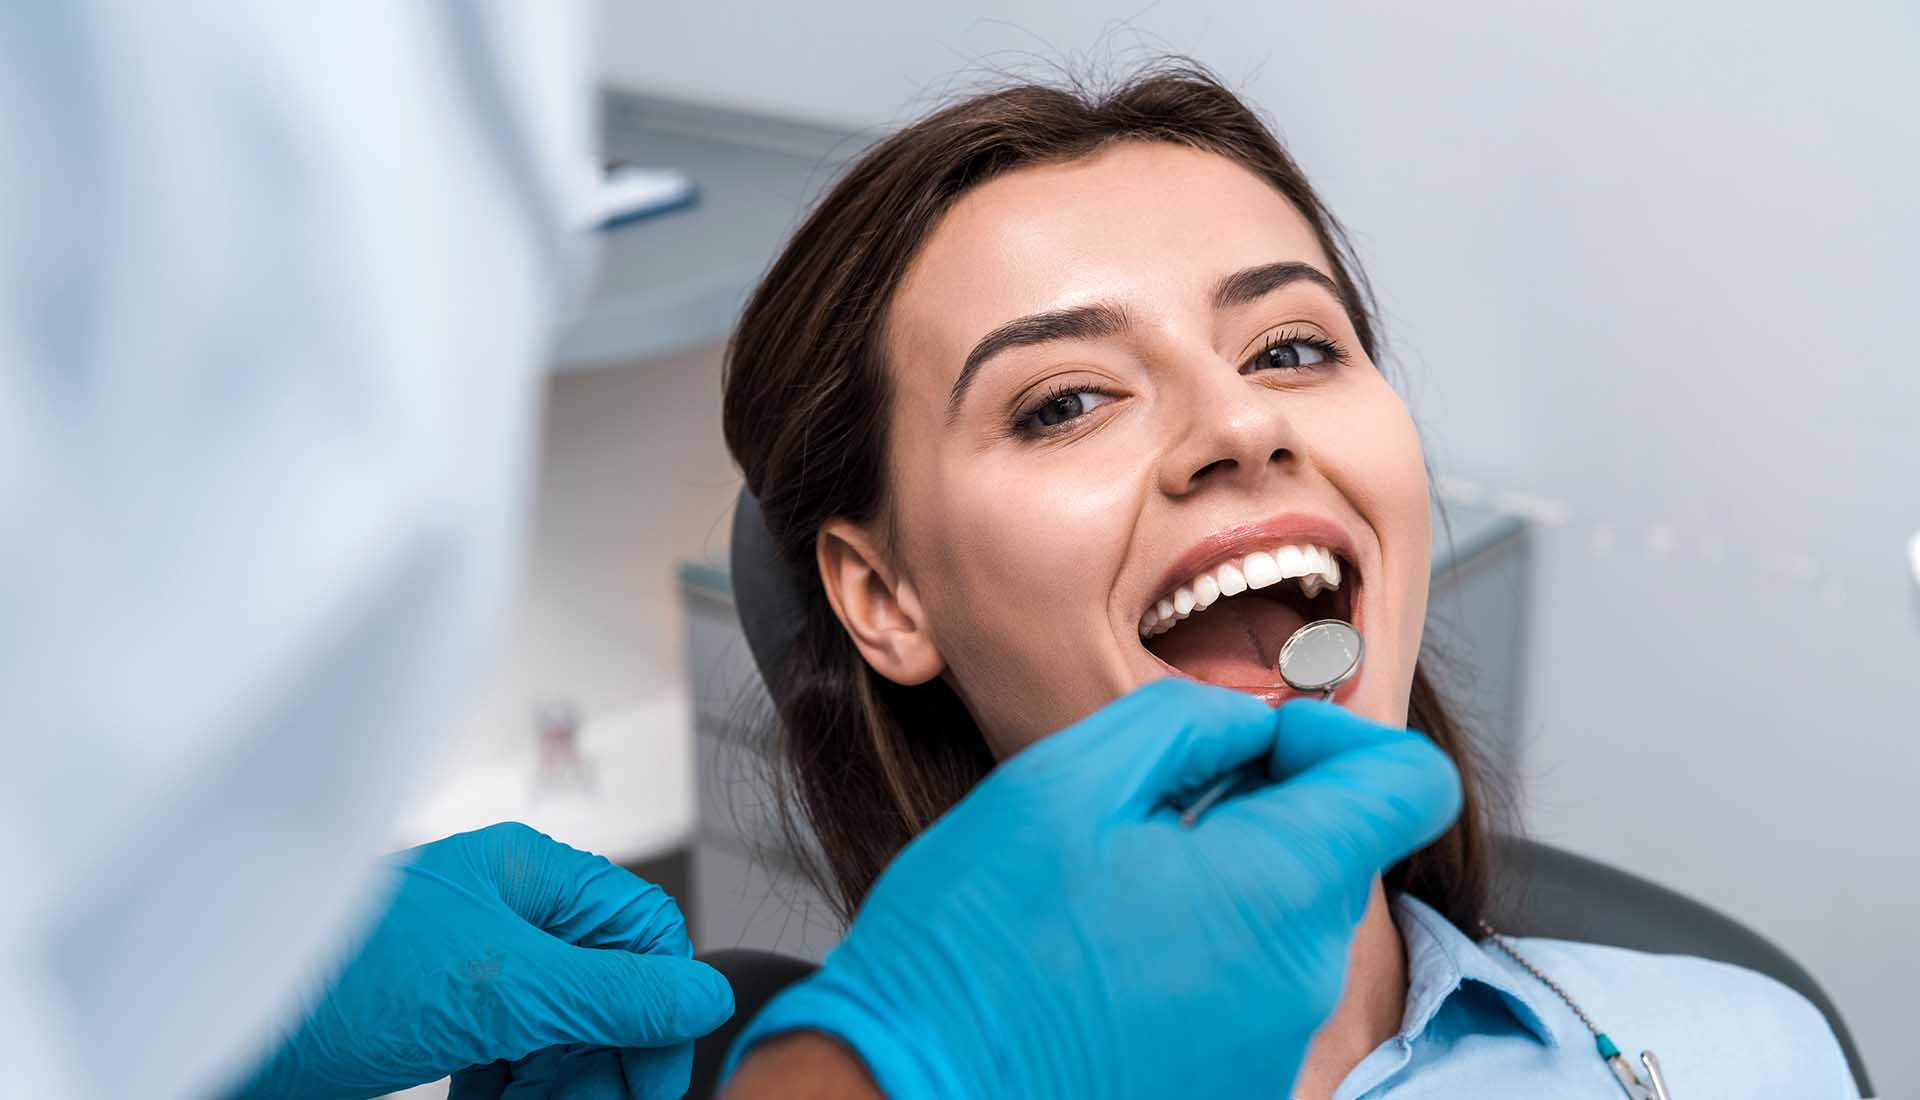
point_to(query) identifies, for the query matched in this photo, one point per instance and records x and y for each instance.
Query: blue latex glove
(523, 967)
(1059, 934)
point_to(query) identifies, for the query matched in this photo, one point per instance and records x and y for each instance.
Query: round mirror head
(1321, 656)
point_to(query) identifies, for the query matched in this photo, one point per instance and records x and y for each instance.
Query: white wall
(1649, 265)
(633, 477)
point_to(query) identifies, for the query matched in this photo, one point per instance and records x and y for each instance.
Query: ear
(876, 605)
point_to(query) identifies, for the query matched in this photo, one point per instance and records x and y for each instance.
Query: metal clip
(1629, 1080)
(1652, 1063)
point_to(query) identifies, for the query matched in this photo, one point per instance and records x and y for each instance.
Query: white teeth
(1261, 569)
(1293, 561)
(1232, 581)
(1205, 591)
(1315, 567)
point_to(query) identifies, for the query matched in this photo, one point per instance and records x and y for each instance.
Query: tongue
(1234, 643)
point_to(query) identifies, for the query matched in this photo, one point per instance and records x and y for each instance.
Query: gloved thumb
(609, 997)
(1351, 788)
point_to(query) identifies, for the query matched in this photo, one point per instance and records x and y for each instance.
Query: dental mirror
(1319, 656)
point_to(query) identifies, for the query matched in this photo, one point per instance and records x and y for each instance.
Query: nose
(1227, 431)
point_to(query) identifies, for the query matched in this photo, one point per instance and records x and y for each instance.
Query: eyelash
(1336, 356)
(1022, 421)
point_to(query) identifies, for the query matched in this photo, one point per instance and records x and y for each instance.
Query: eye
(1294, 352)
(1058, 408)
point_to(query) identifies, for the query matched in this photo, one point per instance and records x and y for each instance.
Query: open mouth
(1226, 624)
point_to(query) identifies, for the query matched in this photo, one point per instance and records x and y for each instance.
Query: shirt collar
(1441, 959)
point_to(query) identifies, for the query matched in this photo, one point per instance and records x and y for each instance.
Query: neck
(1371, 1006)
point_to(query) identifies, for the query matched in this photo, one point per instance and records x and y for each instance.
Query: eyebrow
(1242, 287)
(1094, 322)
(1078, 323)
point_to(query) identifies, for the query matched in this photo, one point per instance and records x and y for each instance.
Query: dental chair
(1541, 890)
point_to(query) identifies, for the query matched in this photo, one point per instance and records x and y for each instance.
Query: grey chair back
(1549, 892)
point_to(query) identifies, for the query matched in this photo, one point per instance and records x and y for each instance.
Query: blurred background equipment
(559, 768)
(632, 192)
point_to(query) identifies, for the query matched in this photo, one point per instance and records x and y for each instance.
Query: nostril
(1218, 464)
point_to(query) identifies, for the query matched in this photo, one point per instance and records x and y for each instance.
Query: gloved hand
(523, 967)
(1058, 933)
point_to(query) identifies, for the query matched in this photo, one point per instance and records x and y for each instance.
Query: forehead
(1147, 225)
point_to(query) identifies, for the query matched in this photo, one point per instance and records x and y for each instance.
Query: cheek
(1015, 559)
(1379, 466)
(1398, 479)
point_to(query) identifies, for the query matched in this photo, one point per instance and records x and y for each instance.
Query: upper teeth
(1315, 566)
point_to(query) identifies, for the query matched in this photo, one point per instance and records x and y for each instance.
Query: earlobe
(877, 606)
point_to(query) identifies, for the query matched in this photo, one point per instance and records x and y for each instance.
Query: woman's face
(1121, 381)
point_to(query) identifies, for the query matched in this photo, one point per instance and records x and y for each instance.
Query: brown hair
(870, 763)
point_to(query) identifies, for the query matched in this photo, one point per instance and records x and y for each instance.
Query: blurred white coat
(275, 283)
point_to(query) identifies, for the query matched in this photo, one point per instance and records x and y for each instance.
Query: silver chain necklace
(1629, 1080)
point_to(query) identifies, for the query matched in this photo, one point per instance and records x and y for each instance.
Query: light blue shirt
(1477, 1024)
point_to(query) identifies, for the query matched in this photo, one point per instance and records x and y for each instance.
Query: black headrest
(769, 598)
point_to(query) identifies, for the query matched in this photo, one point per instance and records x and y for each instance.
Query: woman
(1056, 393)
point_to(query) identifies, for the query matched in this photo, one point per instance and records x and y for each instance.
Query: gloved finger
(616, 998)
(1164, 738)
(1350, 789)
(576, 1072)
(580, 897)
(480, 1083)
(661, 1073)
(1216, 731)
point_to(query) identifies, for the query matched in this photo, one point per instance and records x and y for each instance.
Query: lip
(1240, 539)
(1244, 538)
(1274, 694)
